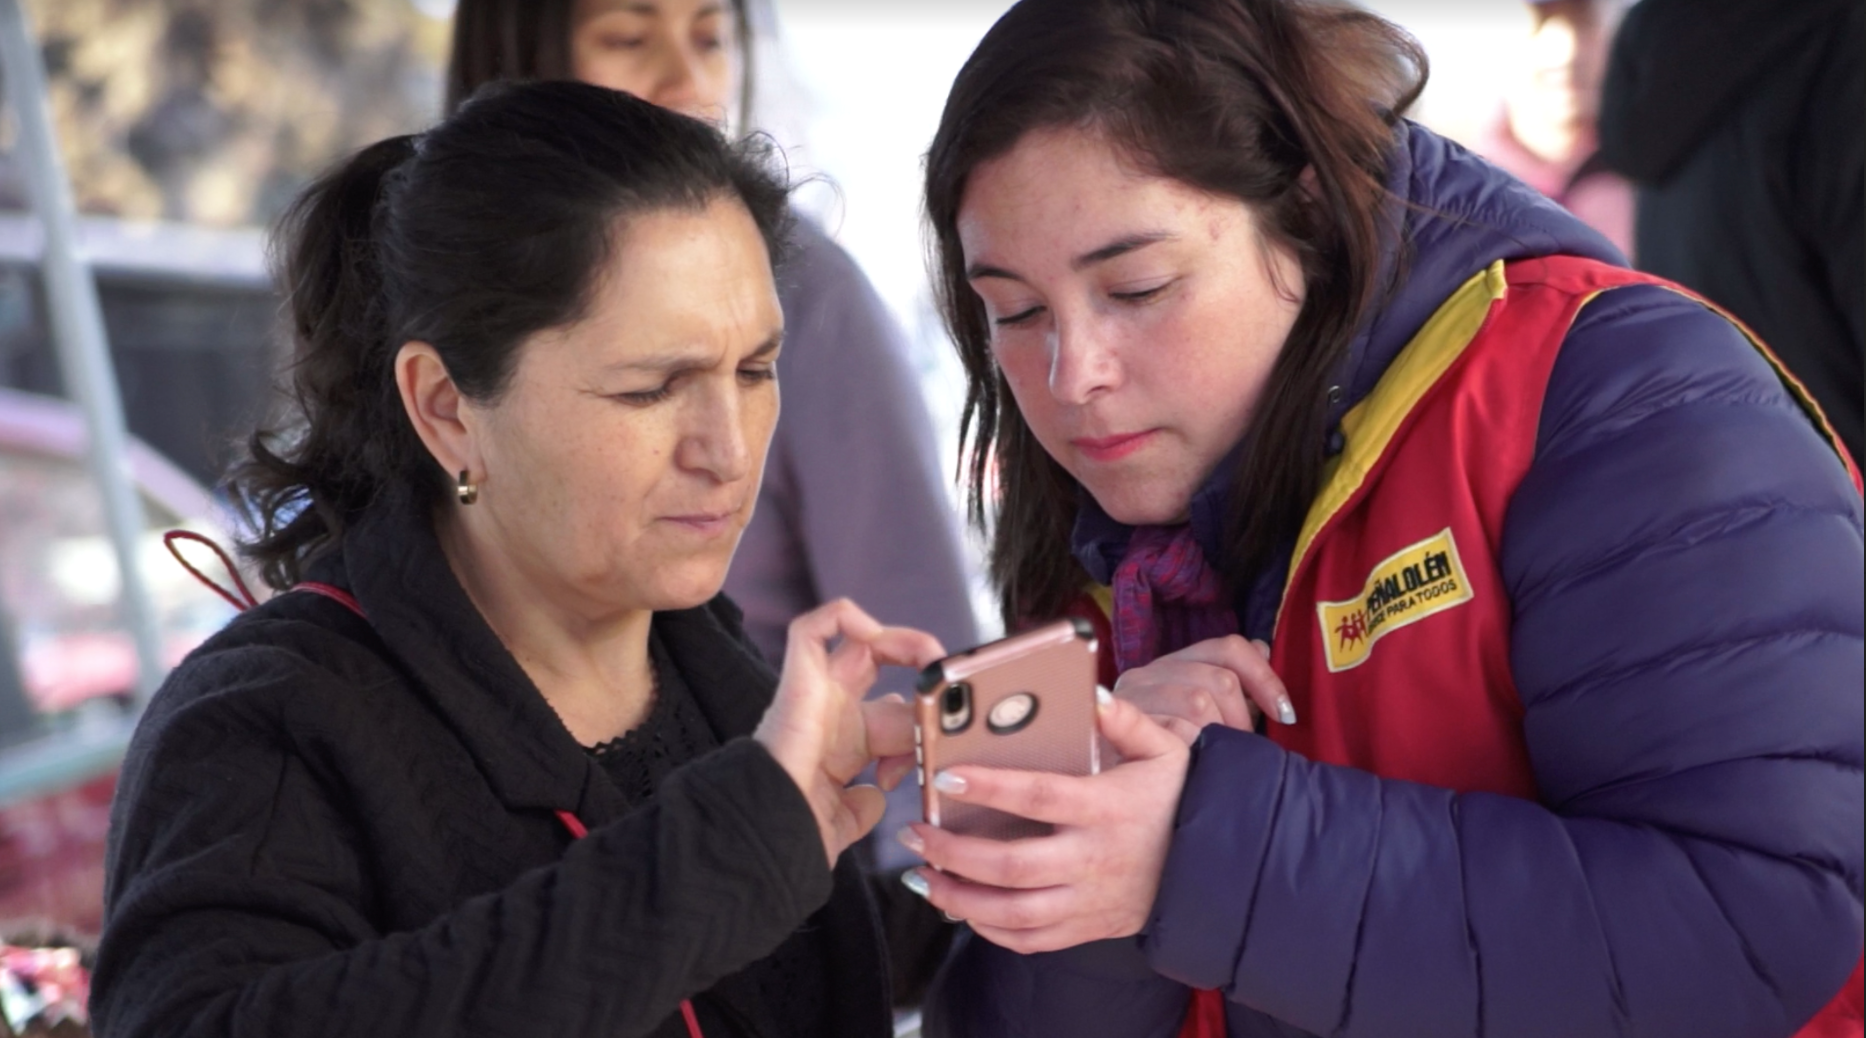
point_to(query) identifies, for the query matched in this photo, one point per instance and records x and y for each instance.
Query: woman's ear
(1311, 184)
(437, 409)
(1281, 260)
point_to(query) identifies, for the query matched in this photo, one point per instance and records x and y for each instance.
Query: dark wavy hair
(498, 40)
(490, 227)
(1290, 106)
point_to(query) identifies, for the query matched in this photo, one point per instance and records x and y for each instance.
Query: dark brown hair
(473, 236)
(1240, 98)
(498, 40)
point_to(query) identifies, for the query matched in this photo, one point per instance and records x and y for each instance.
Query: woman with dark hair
(1559, 571)
(854, 503)
(505, 763)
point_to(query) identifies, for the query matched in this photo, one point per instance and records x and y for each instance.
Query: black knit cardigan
(335, 826)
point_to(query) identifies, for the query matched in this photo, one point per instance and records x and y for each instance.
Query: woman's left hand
(1225, 681)
(1095, 877)
(819, 730)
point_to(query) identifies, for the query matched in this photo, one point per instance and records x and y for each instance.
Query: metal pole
(78, 328)
(17, 717)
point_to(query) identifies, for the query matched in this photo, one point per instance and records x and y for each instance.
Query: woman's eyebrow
(771, 346)
(1118, 247)
(684, 358)
(652, 7)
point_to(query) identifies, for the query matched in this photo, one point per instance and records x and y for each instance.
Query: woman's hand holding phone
(819, 730)
(1095, 876)
(1224, 681)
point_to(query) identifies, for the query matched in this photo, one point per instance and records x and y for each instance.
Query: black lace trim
(674, 732)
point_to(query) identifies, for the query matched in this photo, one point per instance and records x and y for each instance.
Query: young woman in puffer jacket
(1558, 572)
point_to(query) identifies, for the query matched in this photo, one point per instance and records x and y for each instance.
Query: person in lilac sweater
(1558, 571)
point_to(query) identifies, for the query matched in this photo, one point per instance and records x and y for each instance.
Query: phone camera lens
(955, 707)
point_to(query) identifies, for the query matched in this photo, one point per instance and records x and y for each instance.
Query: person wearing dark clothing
(1740, 123)
(853, 502)
(338, 825)
(499, 758)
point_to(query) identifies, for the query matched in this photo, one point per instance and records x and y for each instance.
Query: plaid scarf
(1166, 597)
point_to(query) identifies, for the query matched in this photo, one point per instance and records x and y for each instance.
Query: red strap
(571, 822)
(245, 600)
(577, 832)
(334, 593)
(1205, 1016)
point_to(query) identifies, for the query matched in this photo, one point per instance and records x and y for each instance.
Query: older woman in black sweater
(505, 763)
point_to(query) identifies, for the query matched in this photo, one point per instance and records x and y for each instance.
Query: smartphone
(1024, 702)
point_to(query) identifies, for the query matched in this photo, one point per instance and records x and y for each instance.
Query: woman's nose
(715, 442)
(1082, 363)
(678, 85)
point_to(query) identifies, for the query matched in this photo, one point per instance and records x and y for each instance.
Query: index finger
(810, 632)
(1260, 681)
(890, 726)
(857, 661)
(1040, 796)
(904, 647)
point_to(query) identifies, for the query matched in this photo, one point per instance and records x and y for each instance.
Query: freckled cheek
(1026, 370)
(761, 422)
(1028, 375)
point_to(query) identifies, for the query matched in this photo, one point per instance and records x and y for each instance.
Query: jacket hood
(1455, 215)
(1678, 66)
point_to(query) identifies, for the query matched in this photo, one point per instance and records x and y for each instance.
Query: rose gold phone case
(1056, 664)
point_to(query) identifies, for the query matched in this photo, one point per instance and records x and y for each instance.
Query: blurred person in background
(853, 502)
(1559, 572)
(1743, 123)
(499, 759)
(1545, 134)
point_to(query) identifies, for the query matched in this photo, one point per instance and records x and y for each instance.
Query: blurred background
(185, 126)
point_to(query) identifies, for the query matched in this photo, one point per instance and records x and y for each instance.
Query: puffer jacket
(1684, 562)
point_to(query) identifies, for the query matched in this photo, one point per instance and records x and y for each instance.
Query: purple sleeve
(854, 504)
(1104, 989)
(1685, 564)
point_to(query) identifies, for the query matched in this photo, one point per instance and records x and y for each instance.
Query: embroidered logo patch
(1412, 584)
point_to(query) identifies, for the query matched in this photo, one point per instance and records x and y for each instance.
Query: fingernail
(947, 782)
(1103, 697)
(1285, 711)
(949, 917)
(912, 841)
(914, 881)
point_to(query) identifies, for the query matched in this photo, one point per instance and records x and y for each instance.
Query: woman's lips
(1112, 448)
(706, 524)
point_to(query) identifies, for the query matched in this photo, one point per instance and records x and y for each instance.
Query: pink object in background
(52, 857)
(1601, 198)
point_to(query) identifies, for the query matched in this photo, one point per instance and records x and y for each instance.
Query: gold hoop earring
(466, 490)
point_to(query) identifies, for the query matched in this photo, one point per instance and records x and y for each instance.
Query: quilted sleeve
(1685, 564)
(1104, 989)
